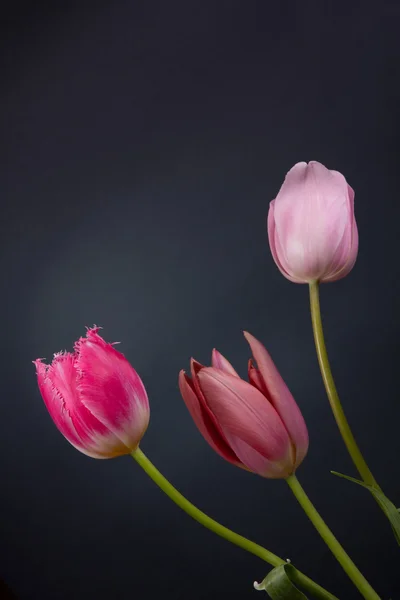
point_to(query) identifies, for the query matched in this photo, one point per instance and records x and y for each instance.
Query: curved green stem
(331, 390)
(302, 580)
(200, 516)
(335, 547)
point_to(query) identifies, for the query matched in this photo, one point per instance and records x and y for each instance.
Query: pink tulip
(258, 425)
(95, 397)
(311, 225)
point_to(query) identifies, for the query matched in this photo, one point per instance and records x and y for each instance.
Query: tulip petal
(277, 392)
(257, 463)
(110, 389)
(220, 362)
(243, 412)
(348, 251)
(352, 257)
(195, 368)
(205, 420)
(58, 386)
(277, 250)
(255, 376)
(55, 402)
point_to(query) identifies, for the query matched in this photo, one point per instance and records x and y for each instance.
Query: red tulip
(255, 425)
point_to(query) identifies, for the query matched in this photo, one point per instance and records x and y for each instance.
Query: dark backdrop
(142, 142)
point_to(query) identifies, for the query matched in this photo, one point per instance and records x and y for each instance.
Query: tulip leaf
(390, 510)
(278, 584)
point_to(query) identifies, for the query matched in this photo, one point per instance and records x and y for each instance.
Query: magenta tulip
(95, 397)
(311, 225)
(255, 425)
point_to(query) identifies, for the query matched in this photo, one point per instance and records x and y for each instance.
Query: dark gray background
(141, 144)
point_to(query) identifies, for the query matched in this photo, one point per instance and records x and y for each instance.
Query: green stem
(302, 580)
(335, 547)
(331, 390)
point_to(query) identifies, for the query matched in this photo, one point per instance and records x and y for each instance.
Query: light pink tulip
(311, 225)
(255, 425)
(95, 397)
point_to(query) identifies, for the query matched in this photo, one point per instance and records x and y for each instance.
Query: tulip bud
(95, 397)
(255, 425)
(311, 225)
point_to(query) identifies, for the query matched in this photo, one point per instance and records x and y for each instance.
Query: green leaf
(386, 505)
(278, 584)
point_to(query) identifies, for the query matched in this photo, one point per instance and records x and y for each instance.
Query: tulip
(311, 225)
(255, 424)
(95, 397)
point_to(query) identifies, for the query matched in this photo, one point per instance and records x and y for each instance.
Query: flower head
(253, 424)
(311, 225)
(95, 397)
